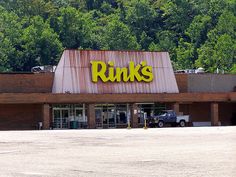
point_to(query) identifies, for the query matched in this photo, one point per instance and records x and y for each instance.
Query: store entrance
(61, 117)
(105, 116)
(69, 116)
(111, 115)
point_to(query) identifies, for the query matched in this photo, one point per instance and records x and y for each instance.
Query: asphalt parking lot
(174, 152)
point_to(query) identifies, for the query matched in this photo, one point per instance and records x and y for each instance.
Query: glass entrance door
(71, 116)
(60, 118)
(111, 116)
(56, 118)
(105, 116)
(122, 111)
(99, 117)
(80, 117)
(64, 118)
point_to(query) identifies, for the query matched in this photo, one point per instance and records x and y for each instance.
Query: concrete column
(134, 115)
(214, 114)
(91, 115)
(46, 116)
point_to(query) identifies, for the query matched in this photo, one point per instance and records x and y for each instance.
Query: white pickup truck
(168, 117)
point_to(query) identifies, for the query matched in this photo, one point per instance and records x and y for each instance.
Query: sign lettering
(107, 72)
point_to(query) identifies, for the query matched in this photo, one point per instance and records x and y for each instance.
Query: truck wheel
(160, 124)
(182, 123)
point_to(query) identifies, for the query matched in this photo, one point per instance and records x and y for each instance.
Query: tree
(43, 8)
(10, 37)
(75, 28)
(198, 29)
(165, 41)
(177, 15)
(233, 69)
(212, 8)
(195, 33)
(6, 49)
(185, 55)
(145, 40)
(219, 50)
(221, 55)
(140, 16)
(225, 52)
(41, 45)
(118, 36)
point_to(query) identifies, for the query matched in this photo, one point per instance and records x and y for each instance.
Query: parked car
(168, 117)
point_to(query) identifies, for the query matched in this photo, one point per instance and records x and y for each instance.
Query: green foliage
(219, 50)
(233, 69)
(177, 14)
(197, 30)
(44, 8)
(10, 35)
(185, 54)
(196, 33)
(145, 40)
(119, 37)
(6, 49)
(75, 28)
(140, 16)
(41, 45)
(221, 55)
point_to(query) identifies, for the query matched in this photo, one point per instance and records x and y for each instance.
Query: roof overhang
(41, 98)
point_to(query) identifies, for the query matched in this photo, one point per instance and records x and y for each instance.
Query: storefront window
(111, 115)
(121, 112)
(69, 116)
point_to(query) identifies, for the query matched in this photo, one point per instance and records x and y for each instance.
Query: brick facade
(20, 116)
(91, 116)
(214, 114)
(26, 83)
(26, 99)
(46, 116)
(134, 115)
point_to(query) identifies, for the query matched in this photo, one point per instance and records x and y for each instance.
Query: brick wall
(20, 116)
(26, 83)
(42, 82)
(199, 112)
(226, 111)
(182, 82)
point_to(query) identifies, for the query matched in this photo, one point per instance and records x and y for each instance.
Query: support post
(46, 116)
(176, 108)
(91, 116)
(214, 114)
(134, 115)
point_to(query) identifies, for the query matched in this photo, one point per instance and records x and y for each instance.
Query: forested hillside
(196, 33)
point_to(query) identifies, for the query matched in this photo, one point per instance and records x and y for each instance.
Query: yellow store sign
(108, 72)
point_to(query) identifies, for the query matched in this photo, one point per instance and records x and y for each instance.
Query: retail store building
(108, 89)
